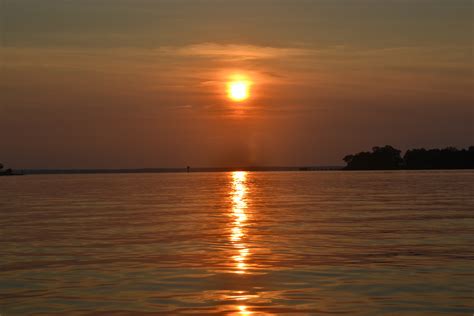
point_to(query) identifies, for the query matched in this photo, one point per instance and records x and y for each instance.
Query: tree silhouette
(447, 158)
(387, 158)
(381, 158)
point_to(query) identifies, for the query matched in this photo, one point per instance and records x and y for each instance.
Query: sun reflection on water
(238, 236)
(239, 206)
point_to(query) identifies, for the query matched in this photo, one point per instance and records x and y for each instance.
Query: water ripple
(243, 243)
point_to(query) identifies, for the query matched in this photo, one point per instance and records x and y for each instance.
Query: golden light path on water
(239, 206)
(238, 233)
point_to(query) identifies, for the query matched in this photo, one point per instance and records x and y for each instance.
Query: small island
(7, 172)
(389, 158)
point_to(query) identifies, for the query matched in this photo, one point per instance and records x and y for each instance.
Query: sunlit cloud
(235, 51)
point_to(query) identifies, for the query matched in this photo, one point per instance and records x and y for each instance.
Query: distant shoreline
(386, 158)
(202, 170)
(390, 158)
(173, 170)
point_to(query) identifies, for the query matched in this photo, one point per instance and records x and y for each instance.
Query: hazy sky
(135, 83)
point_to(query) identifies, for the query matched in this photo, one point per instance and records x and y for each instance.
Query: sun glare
(238, 90)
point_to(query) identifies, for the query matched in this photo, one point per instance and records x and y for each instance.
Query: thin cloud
(235, 51)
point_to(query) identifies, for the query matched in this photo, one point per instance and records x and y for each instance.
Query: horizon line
(173, 169)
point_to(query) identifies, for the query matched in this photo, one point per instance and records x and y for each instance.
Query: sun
(238, 90)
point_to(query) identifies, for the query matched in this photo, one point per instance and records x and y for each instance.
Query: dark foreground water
(307, 243)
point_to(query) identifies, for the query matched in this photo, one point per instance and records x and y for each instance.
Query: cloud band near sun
(235, 51)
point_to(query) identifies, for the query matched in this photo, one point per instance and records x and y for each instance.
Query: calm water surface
(242, 243)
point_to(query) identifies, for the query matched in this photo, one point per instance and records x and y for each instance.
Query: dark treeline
(389, 158)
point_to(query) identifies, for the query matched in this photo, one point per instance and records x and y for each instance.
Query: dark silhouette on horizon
(7, 172)
(381, 158)
(389, 158)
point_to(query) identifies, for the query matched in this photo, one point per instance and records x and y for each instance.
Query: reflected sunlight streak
(238, 233)
(239, 205)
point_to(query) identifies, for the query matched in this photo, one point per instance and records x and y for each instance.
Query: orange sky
(96, 84)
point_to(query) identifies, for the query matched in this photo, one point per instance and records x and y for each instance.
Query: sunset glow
(241, 158)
